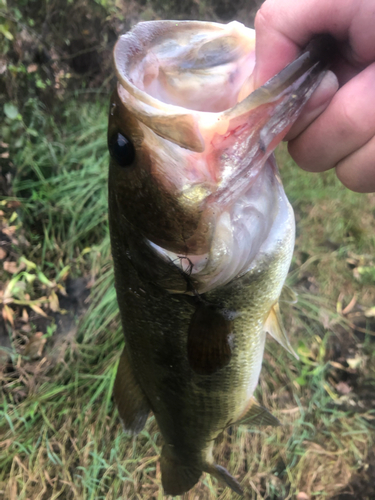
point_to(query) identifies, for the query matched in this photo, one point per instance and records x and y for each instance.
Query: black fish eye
(121, 149)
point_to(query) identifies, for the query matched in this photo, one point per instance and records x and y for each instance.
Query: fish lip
(149, 109)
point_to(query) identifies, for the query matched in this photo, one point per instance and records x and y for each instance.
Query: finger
(283, 28)
(274, 49)
(345, 126)
(316, 105)
(357, 171)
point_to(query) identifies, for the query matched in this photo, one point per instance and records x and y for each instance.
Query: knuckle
(357, 170)
(263, 18)
(306, 155)
(346, 114)
(345, 174)
(347, 121)
(298, 155)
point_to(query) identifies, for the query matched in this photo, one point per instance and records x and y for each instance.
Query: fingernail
(316, 105)
(326, 89)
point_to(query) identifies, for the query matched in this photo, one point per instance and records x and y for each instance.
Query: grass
(60, 436)
(61, 182)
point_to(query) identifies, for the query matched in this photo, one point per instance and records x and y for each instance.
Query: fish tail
(176, 476)
(223, 476)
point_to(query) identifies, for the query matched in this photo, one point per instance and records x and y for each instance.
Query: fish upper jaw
(179, 76)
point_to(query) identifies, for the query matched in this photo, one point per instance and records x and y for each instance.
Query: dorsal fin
(274, 326)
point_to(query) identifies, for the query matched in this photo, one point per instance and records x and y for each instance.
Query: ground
(60, 336)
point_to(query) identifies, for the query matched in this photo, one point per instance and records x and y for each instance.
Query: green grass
(61, 181)
(60, 436)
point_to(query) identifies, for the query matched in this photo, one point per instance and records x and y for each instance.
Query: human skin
(337, 127)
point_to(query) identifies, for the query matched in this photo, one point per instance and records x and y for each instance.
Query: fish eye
(121, 149)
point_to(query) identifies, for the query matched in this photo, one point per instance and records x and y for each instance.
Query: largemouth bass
(202, 232)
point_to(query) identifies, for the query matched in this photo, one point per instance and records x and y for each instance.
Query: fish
(202, 233)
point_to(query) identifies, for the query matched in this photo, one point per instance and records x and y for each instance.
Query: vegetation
(60, 436)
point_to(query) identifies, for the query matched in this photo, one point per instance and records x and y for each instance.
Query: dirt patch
(42, 353)
(362, 485)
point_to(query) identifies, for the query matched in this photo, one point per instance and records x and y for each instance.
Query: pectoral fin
(288, 295)
(130, 400)
(210, 340)
(257, 414)
(274, 326)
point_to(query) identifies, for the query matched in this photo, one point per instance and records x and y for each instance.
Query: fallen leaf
(25, 315)
(356, 273)
(32, 68)
(5, 154)
(8, 314)
(9, 230)
(3, 254)
(38, 310)
(355, 362)
(6, 443)
(12, 489)
(343, 388)
(350, 306)
(302, 496)
(10, 267)
(62, 290)
(54, 302)
(34, 348)
(14, 204)
(370, 313)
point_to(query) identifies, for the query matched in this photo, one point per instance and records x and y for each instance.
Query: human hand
(337, 126)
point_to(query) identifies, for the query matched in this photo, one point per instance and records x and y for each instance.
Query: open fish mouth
(197, 207)
(210, 136)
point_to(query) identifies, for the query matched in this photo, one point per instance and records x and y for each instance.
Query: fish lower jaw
(244, 235)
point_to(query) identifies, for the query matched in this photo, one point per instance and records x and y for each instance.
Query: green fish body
(202, 233)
